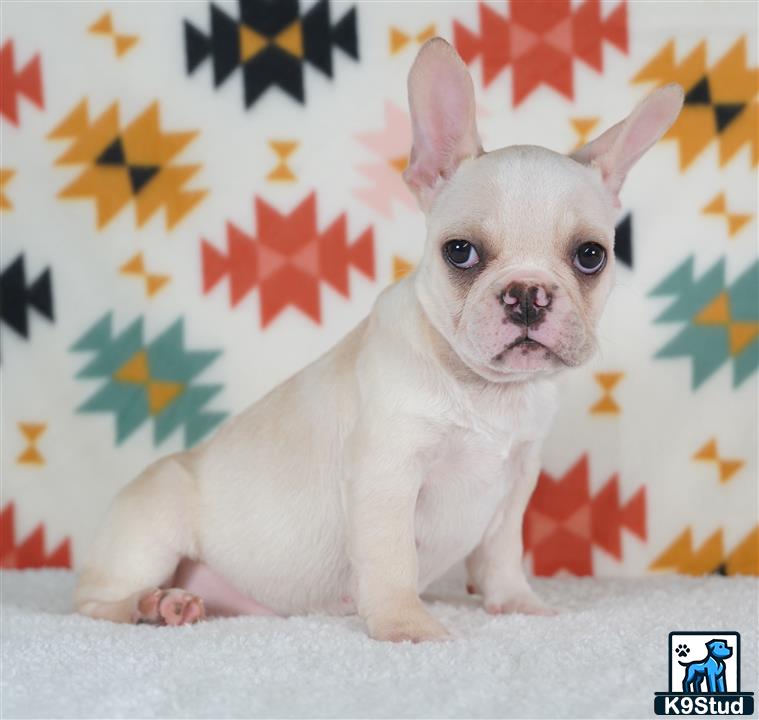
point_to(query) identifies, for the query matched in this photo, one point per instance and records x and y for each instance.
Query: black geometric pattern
(139, 175)
(271, 42)
(623, 248)
(724, 113)
(16, 298)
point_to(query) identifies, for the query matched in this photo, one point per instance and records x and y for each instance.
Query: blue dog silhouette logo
(710, 671)
(704, 675)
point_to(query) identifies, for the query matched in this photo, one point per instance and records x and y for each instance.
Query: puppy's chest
(467, 476)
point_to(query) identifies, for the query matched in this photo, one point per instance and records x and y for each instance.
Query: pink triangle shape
(579, 522)
(269, 261)
(522, 40)
(541, 527)
(307, 259)
(560, 36)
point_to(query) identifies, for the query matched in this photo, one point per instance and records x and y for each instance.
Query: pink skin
(220, 598)
(494, 334)
(168, 606)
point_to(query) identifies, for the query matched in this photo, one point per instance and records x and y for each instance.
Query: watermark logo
(704, 675)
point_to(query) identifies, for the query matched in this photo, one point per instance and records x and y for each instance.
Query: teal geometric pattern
(722, 322)
(148, 381)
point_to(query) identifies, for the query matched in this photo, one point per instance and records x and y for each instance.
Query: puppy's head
(519, 256)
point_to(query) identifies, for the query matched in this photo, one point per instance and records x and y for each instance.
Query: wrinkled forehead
(521, 192)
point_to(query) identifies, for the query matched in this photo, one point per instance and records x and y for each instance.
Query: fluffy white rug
(604, 656)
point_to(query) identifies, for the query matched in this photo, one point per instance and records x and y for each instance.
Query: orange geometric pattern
(32, 433)
(400, 40)
(607, 404)
(6, 175)
(735, 221)
(720, 102)
(122, 44)
(134, 163)
(401, 267)
(283, 149)
(710, 453)
(563, 522)
(710, 557)
(583, 127)
(136, 266)
(30, 552)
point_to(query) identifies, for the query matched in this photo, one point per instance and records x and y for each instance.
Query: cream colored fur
(408, 447)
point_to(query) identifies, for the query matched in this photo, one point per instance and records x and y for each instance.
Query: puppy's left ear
(621, 146)
(441, 99)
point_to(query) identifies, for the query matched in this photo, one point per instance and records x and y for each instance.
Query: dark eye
(461, 253)
(590, 258)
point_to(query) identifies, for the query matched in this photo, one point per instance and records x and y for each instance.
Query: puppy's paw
(414, 624)
(171, 606)
(524, 603)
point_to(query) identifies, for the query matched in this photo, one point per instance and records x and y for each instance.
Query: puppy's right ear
(441, 99)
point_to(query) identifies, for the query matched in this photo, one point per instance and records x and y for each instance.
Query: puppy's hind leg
(149, 527)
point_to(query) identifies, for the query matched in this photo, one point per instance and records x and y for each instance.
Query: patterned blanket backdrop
(199, 198)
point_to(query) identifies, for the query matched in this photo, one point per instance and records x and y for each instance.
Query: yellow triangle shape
(677, 555)
(251, 43)
(716, 206)
(707, 452)
(736, 221)
(583, 126)
(605, 405)
(155, 282)
(728, 468)
(283, 148)
(744, 559)
(31, 456)
(429, 32)
(707, 558)
(124, 43)
(134, 370)
(291, 39)
(281, 172)
(398, 40)
(161, 394)
(608, 380)
(102, 26)
(717, 312)
(400, 163)
(742, 334)
(31, 431)
(133, 266)
(401, 268)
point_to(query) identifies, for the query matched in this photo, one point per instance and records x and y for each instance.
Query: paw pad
(682, 650)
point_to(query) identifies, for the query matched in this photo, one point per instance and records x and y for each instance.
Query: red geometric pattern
(541, 40)
(30, 553)
(289, 259)
(563, 522)
(26, 82)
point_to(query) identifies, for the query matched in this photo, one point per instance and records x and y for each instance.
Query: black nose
(525, 304)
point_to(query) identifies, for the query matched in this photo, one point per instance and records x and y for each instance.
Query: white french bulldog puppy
(415, 442)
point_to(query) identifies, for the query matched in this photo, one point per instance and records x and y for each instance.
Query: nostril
(541, 298)
(513, 295)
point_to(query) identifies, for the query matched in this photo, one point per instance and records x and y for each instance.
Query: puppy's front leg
(382, 496)
(495, 567)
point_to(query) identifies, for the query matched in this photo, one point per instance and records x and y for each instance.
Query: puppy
(415, 442)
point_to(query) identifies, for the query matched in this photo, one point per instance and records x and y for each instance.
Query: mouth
(527, 344)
